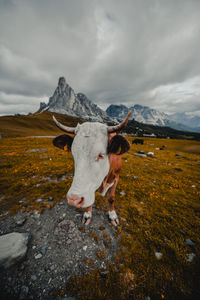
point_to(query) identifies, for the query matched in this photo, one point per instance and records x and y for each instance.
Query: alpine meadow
(157, 201)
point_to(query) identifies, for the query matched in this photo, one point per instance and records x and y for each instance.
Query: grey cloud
(113, 51)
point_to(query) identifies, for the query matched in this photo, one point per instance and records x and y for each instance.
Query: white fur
(90, 140)
(112, 215)
(87, 215)
(107, 188)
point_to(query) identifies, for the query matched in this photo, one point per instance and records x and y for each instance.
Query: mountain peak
(62, 84)
(65, 101)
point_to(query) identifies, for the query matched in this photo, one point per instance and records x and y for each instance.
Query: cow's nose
(75, 200)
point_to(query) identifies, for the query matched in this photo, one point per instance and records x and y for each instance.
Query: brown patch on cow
(63, 142)
(112, 177)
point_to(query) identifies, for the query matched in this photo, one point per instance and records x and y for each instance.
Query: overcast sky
(116, 52)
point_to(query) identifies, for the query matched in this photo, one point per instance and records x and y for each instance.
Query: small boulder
(158, 255)
(38, 256)
(191, 256)
(20, 220)
(44, 249)
(189, 242)
(50, 199)
(13, 247)
(150, 154)
(122, 193)
(33, 278)
(140, 155)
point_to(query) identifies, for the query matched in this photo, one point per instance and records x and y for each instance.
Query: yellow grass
(160, 209)
(40, 124)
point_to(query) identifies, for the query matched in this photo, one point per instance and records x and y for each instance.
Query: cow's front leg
(87, 216)
(111, 198)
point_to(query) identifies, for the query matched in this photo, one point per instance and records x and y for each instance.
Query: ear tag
(65, 148)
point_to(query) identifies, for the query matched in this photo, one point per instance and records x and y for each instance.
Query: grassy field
(157, 199)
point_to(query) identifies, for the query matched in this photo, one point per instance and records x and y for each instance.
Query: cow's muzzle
(75, 200)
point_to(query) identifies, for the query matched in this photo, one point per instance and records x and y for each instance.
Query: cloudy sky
(116, 52)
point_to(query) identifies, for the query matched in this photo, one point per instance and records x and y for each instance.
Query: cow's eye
(100, 156)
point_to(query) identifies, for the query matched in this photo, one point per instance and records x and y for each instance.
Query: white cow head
(90, 148)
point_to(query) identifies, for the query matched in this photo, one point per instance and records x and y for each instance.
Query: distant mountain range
(65, 101)
(188, 120)
(147, 115)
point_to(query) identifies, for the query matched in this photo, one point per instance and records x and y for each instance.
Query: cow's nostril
(81, 202)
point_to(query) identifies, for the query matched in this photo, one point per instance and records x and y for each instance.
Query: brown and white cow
(97, 151)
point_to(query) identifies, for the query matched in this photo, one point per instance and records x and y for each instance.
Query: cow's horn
(63, 127)
(120, 126)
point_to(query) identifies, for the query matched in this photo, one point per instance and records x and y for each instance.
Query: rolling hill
(38, 124)
(41, 124)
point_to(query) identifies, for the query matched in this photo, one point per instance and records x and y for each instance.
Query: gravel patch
(59, 247)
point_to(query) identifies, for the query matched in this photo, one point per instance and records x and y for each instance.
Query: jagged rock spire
(65, 101)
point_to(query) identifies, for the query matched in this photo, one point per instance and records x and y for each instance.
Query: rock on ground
(13, 247)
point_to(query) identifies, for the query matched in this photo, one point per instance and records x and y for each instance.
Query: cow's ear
(118, 145)
(64, 142)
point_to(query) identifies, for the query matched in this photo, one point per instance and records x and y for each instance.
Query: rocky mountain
(142, 114)
(65, 101)
(147, 115)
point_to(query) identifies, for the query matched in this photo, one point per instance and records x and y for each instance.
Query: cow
(138, 141)
(97, 150)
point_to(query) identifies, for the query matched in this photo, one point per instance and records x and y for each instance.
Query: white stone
(13, 247)
(191, 256)
(85, 248)
(140, 155)
(122, 193)
(189, 242)
(158, 255)
(150, 154)
(38, 256)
